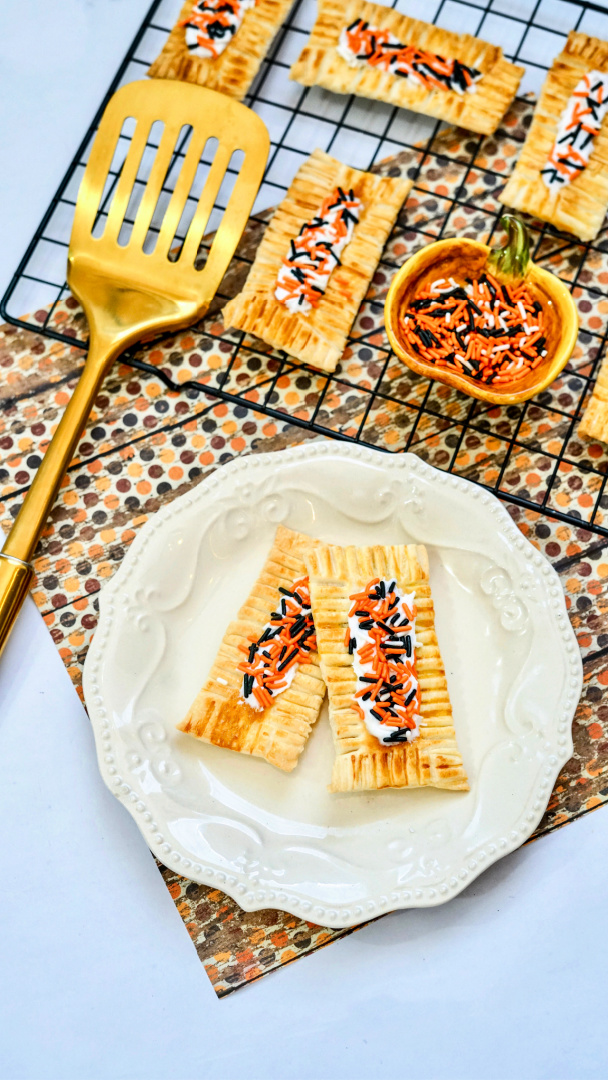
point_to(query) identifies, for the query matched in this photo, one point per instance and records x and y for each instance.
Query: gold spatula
(125, 291)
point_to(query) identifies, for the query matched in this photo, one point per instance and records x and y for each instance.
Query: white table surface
(98, 977)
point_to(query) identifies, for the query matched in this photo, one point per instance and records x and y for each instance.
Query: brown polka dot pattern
(144, 446)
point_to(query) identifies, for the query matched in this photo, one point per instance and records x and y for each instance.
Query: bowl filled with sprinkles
(486, 321)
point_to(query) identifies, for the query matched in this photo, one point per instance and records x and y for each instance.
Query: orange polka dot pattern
(532, 450)
(144, 446)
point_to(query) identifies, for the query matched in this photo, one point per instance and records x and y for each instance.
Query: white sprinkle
(522, 310)
(436, 284)
(544, 352)
(222, 681)
(448, 319)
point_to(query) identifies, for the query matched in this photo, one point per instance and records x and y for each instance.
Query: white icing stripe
(578, 126)
(212, 24)
(403, 634)
(363, 45)
(306, 269)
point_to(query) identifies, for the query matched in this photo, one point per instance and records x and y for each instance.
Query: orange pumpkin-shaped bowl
(462, 259)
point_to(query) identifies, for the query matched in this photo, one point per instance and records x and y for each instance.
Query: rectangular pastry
(374, 51)
(220, 43)
(594, 421)
(389, 705)
(561, 175)
(265, 689)
(316, 260)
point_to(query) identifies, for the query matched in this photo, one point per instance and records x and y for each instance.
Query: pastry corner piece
(316, 260)
(594, 421)
(265, 689)
(220, 43)
(389, 705)
(561, 175)
(376, 52)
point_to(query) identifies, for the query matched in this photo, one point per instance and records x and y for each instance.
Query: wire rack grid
(541, 433)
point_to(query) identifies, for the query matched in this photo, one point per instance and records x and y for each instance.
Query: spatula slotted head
(122, 283)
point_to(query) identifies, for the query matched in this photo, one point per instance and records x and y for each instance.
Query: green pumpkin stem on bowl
(510, 262)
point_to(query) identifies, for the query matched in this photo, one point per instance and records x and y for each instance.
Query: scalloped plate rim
(289, 900)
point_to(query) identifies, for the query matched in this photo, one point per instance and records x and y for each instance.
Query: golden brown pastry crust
(279, 732)
(234, 70)
(319, 337)
(594, 421)
(433, 758)
(320, 64)
(578, 207)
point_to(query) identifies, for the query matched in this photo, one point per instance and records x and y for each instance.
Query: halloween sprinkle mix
(306, 269)
(489, 331)
(212, 24)
(381, 638)
(286, 641)
(361, 44)
(579, 124)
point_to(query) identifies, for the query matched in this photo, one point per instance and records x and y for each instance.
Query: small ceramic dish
(459, 258)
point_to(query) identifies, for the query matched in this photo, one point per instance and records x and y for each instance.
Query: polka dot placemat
(143, 446)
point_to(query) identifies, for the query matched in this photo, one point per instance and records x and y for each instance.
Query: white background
(98, 977)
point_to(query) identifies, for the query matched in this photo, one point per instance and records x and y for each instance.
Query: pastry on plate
(265, 689)
(376, 52)
(220, 43)
(389, 705)
(561, 175)
(316, 260)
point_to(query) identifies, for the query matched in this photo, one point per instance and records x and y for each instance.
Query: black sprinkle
(287, 660)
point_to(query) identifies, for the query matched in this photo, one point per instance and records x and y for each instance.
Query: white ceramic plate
(281, 840)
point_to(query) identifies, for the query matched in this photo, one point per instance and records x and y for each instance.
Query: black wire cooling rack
(539, 436)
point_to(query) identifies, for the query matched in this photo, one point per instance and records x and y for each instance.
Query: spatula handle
(16, 571)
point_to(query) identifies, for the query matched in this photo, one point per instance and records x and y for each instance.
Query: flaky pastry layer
(362, 763)
(319, 337)
(234, 70)
(320, 64)
(579, 207)
(277, 733)
(594, 421)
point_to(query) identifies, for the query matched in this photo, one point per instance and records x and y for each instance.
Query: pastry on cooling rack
(265, 688)
(374, 51)
(594, 421)
(316, 260)
(389, 705)
(220, 43)
(562, 172)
